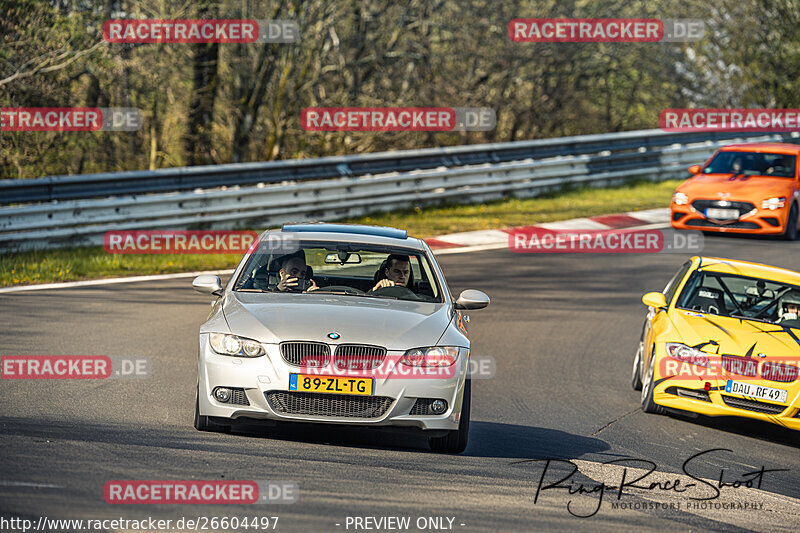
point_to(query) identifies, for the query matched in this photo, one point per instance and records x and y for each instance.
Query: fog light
(438, 407)
(222, 394)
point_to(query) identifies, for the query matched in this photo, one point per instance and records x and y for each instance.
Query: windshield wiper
(368, 295)
(345, 293)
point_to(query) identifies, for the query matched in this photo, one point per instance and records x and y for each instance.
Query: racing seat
(709, 300)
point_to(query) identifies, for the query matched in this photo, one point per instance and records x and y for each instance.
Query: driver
(736, 167)
(394, 271)
(789, 307)
(293, 268)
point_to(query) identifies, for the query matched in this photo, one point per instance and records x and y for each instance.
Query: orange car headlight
(773, 203)
(680, 198)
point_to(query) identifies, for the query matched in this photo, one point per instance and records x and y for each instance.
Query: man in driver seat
(789, 308)
(394, 271)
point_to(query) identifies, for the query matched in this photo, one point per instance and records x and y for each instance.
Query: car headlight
(687, 354)
(438, 356)
(680, 198)
(773, 203)
(225, 344)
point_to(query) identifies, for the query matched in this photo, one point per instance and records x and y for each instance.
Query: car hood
(754, 188)
(395, 324)
(735, 336)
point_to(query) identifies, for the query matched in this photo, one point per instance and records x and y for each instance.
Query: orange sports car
(742, 188)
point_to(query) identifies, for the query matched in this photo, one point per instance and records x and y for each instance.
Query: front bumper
(688, 394)
(758, 221)
(261, 376)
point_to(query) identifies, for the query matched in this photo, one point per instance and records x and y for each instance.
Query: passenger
(394, 271)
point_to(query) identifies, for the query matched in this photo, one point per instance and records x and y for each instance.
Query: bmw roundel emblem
(333, 335)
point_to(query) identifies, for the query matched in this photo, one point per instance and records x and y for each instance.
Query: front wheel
(790, 233)
(636, 373)
(648, 405)
(456, 441)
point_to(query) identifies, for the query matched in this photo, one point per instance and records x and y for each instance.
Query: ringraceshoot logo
(398, 119)
(70, 119)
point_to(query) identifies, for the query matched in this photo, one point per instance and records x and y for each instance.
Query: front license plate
(756, 391)
(722, 214)
(305, 383)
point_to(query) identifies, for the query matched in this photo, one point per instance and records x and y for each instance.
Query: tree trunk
(198, 141)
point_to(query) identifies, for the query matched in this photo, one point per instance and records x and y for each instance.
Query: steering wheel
(397, 291)
(344, 288)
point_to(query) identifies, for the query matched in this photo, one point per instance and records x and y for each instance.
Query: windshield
(752, 164)
(346, 269)
(742, 297)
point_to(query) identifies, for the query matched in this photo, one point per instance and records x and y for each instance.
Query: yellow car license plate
(331, 385)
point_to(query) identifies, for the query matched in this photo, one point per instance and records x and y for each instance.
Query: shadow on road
(747, 427)
(487, 439)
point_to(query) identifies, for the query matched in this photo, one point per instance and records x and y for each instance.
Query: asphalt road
(562, 329)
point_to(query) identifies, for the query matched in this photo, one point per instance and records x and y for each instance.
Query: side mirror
(208, 284)
(694, 169)
(472, 299)
(655, 299)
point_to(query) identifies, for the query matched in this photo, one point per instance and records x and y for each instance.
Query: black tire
(456, 441)
(207, 423)
(636, 372)
(790, 233)
(648, 405)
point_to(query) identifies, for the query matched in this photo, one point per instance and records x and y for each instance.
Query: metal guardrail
(189, 178)
(597, 160)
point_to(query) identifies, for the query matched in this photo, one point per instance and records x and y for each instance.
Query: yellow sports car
(723, 339)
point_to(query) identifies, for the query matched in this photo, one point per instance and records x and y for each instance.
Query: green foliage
(378, 53)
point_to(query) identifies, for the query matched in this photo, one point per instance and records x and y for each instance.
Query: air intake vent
(332, 405)
(752, 405)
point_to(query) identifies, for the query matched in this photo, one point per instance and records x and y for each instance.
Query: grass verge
(92, 263)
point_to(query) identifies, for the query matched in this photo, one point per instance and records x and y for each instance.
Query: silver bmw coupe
(337, 324)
